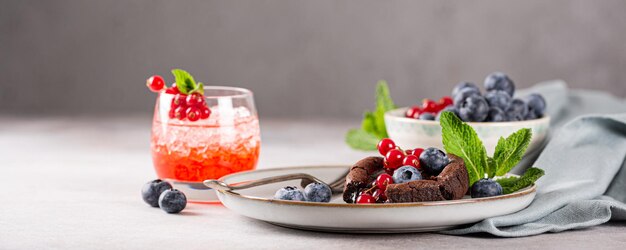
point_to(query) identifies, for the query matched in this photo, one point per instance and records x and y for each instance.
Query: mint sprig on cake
(460, 139)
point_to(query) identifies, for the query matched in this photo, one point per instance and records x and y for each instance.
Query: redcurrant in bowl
(413, 133)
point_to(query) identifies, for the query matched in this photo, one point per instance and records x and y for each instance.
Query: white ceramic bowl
(413, 133)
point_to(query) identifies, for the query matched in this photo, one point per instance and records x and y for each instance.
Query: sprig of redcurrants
(192, 107)
(395, 157)
(429, 108)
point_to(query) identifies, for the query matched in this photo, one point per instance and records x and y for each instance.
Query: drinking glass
(185, 153)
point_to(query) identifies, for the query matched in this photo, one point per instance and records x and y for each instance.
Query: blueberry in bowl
(499, 81)
(494, 112)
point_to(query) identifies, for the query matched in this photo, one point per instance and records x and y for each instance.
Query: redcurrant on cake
(406, 176)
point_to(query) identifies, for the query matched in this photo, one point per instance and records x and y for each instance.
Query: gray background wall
(301, 58)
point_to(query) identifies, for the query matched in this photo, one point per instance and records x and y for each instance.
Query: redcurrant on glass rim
(207, 138)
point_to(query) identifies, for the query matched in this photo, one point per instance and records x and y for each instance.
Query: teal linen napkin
(585, 181)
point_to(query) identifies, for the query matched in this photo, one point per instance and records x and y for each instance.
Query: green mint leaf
(199, 89)
(509, 151)
(490, 170)
(383, 97)
(369, 123)
(384, 103)
(361, 140)
(512, 184)
(507, 181)
(460, 139)
(184, 81)
(373, 125)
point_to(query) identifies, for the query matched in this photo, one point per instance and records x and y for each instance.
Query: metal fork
(306, 179)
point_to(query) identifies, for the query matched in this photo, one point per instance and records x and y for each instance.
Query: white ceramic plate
(338, 216)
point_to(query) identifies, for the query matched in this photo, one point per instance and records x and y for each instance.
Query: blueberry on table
(460, 97)
(152, 190)
(486, 188)
(289, 193)
(172, 201)
(498, 98)
(496, 115)
(433, 161)
(427, 116)
(517, 111)
(317, 192)
(406, 174)
(499, 81)
(474, 109)
(463, 85)
(536, 105)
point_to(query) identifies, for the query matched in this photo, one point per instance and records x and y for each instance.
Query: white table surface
(74, 183)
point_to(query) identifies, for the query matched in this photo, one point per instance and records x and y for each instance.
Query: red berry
(195, 99)
(444, 102)
(380, 196)
(179, 100)
(365, 198)
(389, 171)
(410, 160)
(172, 90)
(385, 145)
(180, 113)
(383, 180)
(429, 105)
(205, 112)
(193, 114)
(413, 112)
(394, 158)
(417, 152)
(155, 83)
(172, 113)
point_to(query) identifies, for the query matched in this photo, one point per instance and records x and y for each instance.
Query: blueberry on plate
(427, 116)
(499, 81)
(433, 161)
(498, 98)
(474, 109)
(172, 201)
(536, 105)
(517, 111)
(463, 85)
(496, 115)
(486, 188)
(406, 174)
(152, 190)
(460, 97)
(450, 108)
(290, 193)
(317, 192)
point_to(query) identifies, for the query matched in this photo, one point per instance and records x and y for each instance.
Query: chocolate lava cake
(451, 184)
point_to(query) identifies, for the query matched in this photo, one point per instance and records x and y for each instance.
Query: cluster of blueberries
(314, 192)
(158, 193)
(497, 105)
